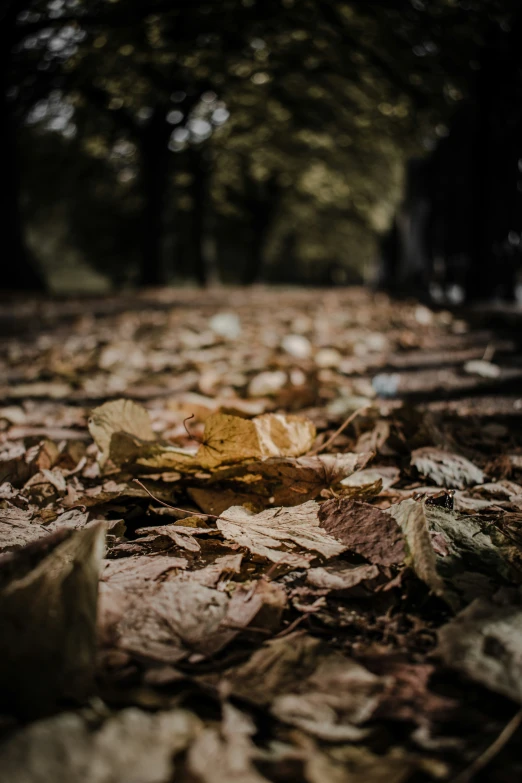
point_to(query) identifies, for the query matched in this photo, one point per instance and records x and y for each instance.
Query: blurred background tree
(145, 142)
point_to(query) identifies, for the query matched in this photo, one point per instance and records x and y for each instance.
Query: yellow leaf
(229, 439)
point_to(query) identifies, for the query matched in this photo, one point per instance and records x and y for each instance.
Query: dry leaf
(118, 416)
(48, 602)
(331, 702)
(17, 528)
(411, 518)
(276, 667)
(446, 469)
(228, 439)
(277, 533)
(225, 755)
(355, 764)
(485, 642)
(167, 621)
(341, 576)
(276, 481)
(132, 571)
(130, 747)
(363, 529)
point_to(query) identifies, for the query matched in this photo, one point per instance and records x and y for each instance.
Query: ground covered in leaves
(259, 536)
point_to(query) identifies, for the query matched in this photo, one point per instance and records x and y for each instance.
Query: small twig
(343, 426)
(176, 508)
(192, 437)
(293, 625)
(491, 751)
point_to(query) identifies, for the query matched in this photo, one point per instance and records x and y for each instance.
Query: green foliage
(311, 107)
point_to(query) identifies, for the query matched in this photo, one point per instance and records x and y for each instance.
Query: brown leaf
(133, 571)
(341, 576)
(331, 702)
(277, 533)
(182, 537)
(276, 667)
(225, 755)
(130, 746)
(411, 517)
(48, 616)
(118, 416)
(167, 621)
(446, 469)
(229, 439)
(276, 481)
(484, 641)
(17, 528)
(363, 529)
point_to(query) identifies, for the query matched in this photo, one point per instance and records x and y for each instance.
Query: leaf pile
(208, 575)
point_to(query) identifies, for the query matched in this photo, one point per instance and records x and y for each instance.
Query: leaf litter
(305, 581)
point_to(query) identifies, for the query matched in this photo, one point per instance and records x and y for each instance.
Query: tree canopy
(189, 140)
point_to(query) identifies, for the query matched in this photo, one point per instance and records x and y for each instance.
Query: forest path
(328, 593)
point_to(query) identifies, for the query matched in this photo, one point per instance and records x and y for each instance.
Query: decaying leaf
(283, 535)
(130, 571)
(48, 600)
(177, 535)
(446, 469)
(276, 667)
(123, 431)
(332, 702)
(118, 416)
(276, 481)
(137, 454)
(340, 576)
(225, 755)
(228, 439)
(355, 764)
(167, 621)
(17, 528)
(475, 559)
(485, 642)
(132, 747)
(387, 475)
(411, 518)
(363, 529)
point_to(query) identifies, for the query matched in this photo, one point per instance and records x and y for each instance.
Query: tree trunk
(19, 270)
(263, 202)
(198, 170)
(478, 278)
(154, 167)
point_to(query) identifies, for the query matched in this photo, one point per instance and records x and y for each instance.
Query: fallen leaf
(482, 368)
(132, 571)
(446, 469)
(167, 621)
(332, 702)
(276, 481)
(277, 533)
(355, 764)
(364, 529)
(225, 755)
(229, 439)
(131, 746)
(484, 642)
(276, 667)
(48, 600)
(411, 518)
(341, 576)
(118, 416)
(17, 528)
